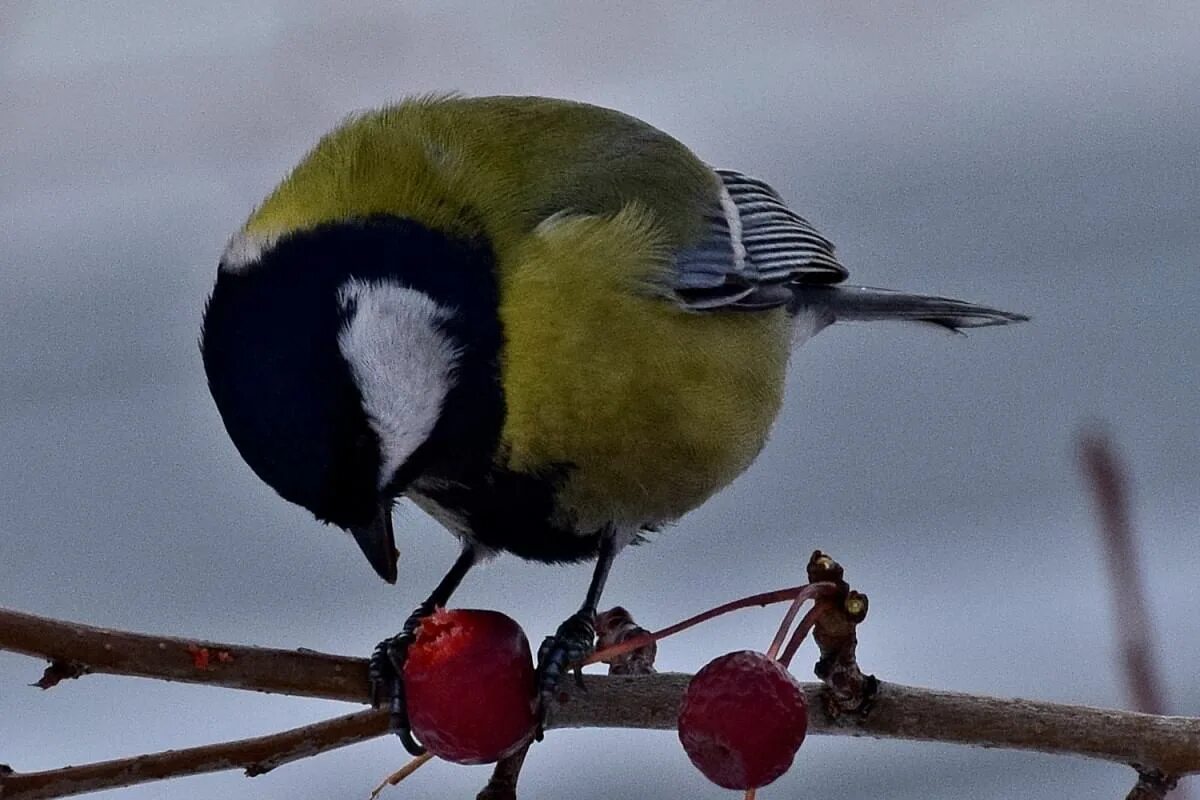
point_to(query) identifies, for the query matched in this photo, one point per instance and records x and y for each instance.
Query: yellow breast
(654, 407)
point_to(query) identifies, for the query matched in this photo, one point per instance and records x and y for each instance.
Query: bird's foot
(574, 641)
(386, 675)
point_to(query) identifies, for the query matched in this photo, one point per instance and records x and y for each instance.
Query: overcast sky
(1036, 156)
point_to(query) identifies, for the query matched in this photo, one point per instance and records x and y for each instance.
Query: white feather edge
(733, 218)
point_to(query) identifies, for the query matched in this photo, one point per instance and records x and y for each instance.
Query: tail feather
(863, 303)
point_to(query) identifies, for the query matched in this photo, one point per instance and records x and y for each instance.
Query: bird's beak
(378, 543)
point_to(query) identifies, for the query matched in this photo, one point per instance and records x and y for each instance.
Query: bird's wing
(753, 247)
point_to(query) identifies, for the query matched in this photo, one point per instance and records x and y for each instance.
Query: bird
(547, 324)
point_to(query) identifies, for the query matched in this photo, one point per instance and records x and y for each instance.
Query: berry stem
(805, 593)
(802, 630)
(813, 591)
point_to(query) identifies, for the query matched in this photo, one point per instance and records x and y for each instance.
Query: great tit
(549, 325)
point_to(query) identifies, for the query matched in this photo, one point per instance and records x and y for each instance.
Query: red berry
(743, 718)
(470, 686)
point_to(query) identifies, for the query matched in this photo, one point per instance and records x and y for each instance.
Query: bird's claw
(574, 641)
(385, 673)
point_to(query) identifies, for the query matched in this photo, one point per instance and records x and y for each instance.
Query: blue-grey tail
(863, 303)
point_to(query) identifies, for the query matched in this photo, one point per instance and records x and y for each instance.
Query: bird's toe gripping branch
(386, 674)
(573, 642)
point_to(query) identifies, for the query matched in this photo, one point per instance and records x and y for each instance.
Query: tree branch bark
(75, 649)
(256, 756)
(1167, 745)
(1134, 627)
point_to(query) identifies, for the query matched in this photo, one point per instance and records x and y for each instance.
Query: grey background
(1038, 156)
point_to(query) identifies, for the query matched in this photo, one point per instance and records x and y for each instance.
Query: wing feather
(754, 246)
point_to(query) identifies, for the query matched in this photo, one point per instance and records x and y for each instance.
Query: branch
(1169, 745)
(75, 650)
(1109, 485)
(1152, 785)
(256, 756)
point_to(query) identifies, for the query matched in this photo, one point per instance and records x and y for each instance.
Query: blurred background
(1036, 156)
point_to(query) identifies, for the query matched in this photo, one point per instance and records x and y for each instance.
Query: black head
(334, 355)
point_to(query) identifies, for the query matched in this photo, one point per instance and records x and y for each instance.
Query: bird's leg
(575, 639)
(387, 662)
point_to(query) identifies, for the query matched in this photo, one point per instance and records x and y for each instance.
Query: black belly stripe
(516, 513)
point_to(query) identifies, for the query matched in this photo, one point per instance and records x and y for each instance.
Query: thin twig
(1110, 489)
(1152, 785)
(399, 775)
(256, 756)
(1107, 478)
(503, 783)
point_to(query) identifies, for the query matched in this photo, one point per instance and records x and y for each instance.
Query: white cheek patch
(402, 363)
(245, 249)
